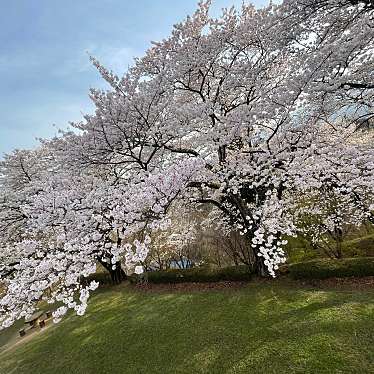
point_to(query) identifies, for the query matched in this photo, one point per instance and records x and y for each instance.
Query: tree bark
(117, 275)
(260, 268)
(256, 261)
(339, 240)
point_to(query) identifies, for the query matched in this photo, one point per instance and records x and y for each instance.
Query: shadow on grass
(260, 329)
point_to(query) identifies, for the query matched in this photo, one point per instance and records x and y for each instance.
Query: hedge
(200, 275)
(327, 268)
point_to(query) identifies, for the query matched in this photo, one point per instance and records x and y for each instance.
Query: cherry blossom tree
(336, 200)
(241, 113)
(175, 246)
(326, 218)
(241, 98)
(73, 221)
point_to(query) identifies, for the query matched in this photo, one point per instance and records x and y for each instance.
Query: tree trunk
(117, 275)
(235, 260)
(339, 240)
(259, 267)
(257, 262)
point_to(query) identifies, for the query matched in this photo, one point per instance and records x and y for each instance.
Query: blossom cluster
(255, 114)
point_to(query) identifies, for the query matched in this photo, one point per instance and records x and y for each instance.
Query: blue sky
(45, 73)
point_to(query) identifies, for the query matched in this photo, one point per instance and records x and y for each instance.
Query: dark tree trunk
(117, 275)
(236, 262)
(259, 267)
(255, 261)
(339, 240)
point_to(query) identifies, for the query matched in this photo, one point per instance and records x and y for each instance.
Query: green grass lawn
(277, 327)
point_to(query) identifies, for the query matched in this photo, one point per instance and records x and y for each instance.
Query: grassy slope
(263, 328)
(362, 246)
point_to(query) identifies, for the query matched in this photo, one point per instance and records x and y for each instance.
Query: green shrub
(200, 274)
(299, 254)
(363, 246)
(327, 268)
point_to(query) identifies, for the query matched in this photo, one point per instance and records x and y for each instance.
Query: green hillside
(271, 327)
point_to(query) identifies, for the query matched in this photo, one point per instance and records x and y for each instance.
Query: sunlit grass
(263, 328)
